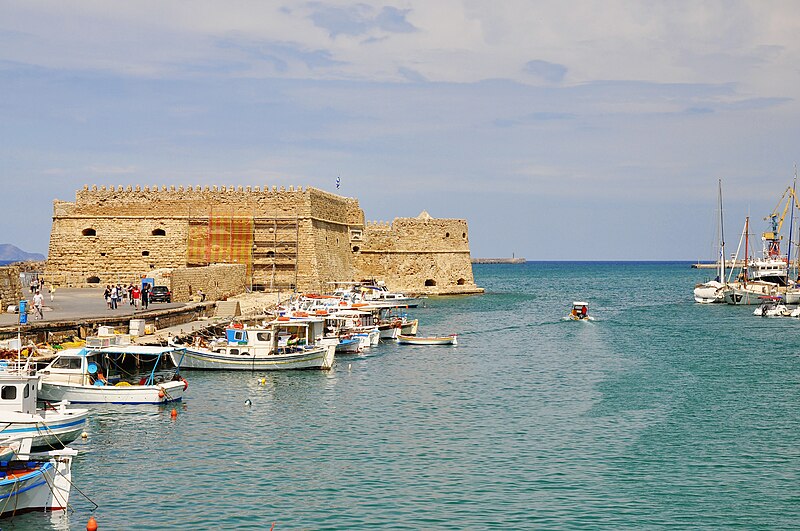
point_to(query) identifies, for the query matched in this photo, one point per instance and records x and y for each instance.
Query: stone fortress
(214, 238)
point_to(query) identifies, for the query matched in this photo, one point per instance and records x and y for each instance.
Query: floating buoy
(84, 435)
(91, 525)
(248, 402)
(173, 413)
(263, 381)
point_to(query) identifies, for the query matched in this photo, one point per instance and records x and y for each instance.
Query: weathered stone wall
(294, 238)
(418, 255)
(10, 288)
(217, 281)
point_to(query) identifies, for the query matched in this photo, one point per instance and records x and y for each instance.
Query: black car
(160, 294)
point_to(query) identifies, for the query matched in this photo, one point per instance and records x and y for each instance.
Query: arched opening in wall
(461, 281)
(89, 232)
(430, 282)
(145, 253)
(446, 234)
(270, 254)
(159, 232)
(356, 248)
(93, 280)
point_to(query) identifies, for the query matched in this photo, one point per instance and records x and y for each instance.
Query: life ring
(301, 314)
(321, 312)
(375, 320)
(283, 318)
(238, 325)
(358, 322)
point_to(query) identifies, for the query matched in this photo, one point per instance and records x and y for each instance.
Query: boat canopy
(578, 304)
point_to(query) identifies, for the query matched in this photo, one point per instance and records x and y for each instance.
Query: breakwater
(498, 260)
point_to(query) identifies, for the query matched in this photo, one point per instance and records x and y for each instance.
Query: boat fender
(160, 393)
(185, 383)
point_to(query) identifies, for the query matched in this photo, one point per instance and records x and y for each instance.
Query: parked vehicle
(160, 294)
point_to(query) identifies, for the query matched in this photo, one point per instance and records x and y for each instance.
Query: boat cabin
(18, 393)
(276, 336)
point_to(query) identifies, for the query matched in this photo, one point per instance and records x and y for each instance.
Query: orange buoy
(173, 413)
(91, 525)
(161, 394)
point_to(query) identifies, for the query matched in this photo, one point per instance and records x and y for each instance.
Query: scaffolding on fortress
(267, 246)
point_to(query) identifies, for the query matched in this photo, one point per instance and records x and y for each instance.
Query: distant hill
(11, 253)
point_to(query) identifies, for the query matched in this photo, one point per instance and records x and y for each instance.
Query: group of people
(136, 296)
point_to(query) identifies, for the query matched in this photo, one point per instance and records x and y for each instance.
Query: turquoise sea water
(662, 413)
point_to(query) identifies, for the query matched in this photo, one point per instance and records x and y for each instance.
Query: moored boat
(30, 482)
(451, 339)
(131, 374)
(50, 427)
(279, 345)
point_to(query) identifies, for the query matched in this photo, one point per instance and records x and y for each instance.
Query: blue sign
(23, 312)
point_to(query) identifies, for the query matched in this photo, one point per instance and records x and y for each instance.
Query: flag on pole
(338, 181)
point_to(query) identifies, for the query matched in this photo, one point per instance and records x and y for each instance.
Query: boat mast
(721, 238)
(746, 245)
(793, 199)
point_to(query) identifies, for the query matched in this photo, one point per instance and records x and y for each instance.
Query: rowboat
(452, 339)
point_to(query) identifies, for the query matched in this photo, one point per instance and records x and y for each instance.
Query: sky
(584, 130)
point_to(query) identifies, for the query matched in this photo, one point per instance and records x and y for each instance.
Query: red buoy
(173, 413)
(161, 394)
(91, 525)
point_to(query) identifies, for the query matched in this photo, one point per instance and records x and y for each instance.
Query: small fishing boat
(132, 374)
(452, 339)
(348, 345)
(580, 312)
(772, 307)
(31, 482)
(50, 427)
(286, 343)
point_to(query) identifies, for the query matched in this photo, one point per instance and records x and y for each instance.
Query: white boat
(53, 426)
(348, 346)
(31, 482)
(580, 312)
(379, 295)
(279, 345)
(713, 291)
(131, 374)
(452, 339)
(772, 307)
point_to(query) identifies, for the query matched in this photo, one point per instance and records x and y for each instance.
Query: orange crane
(773, 237)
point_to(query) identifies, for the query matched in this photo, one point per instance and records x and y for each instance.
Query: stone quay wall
(10, 287)
(291, 238)
(217, 281)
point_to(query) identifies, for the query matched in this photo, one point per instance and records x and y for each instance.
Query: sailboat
(713, 290)
(767, 276)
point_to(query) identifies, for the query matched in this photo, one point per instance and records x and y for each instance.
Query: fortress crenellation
(287, 236)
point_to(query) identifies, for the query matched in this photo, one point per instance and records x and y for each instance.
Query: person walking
(52, 292)
(130, 294)
(38, 300)
(136, 295)
(145, 295)
(107, 296)
(114, 297)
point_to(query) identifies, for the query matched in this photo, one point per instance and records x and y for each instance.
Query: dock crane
(773, 238)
